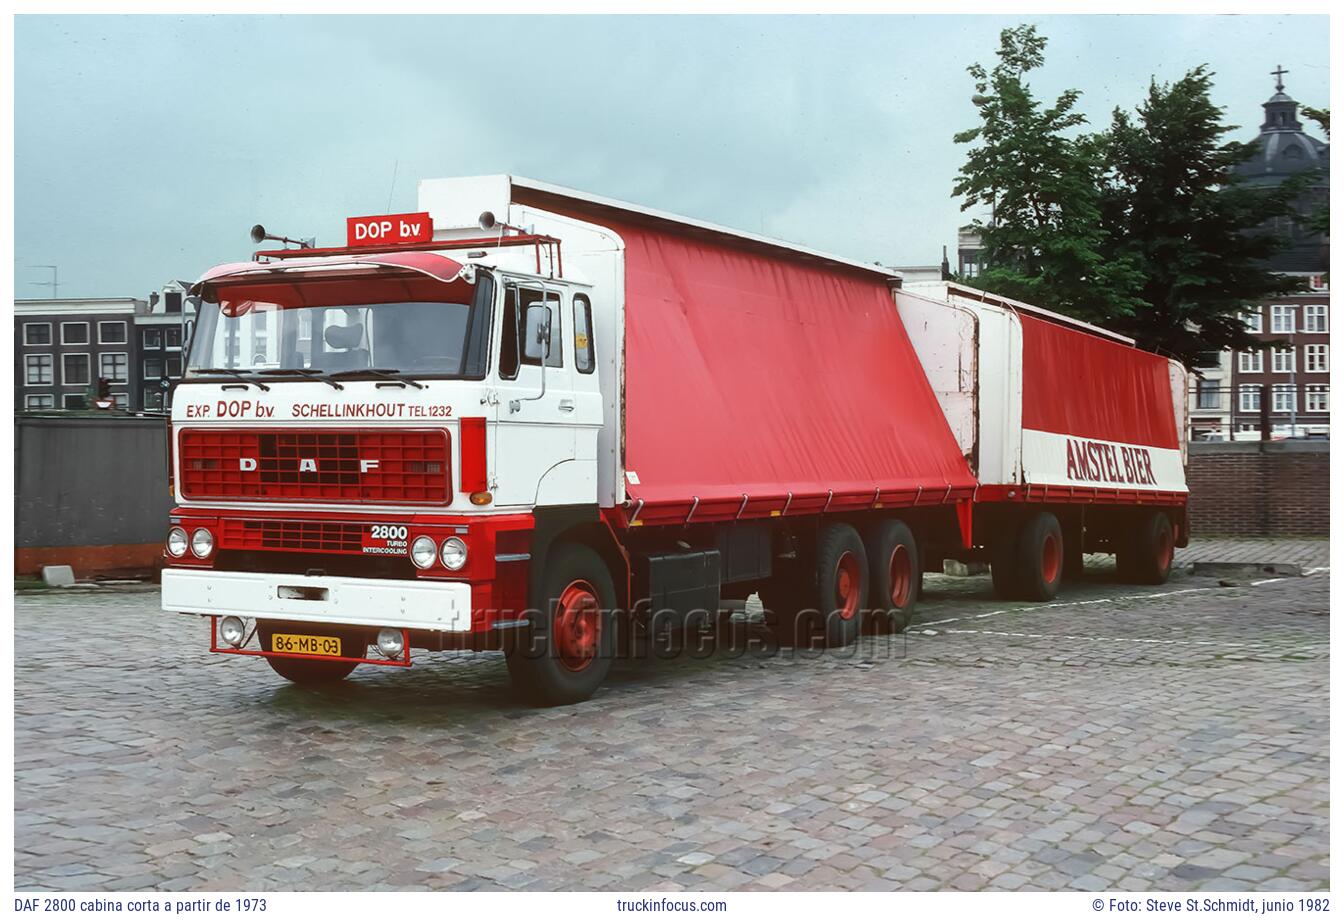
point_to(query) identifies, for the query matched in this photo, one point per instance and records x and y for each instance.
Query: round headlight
(177, 542)
(390, 642)
(454, 553)
(232, 630)
(202, 542)
(422, 552)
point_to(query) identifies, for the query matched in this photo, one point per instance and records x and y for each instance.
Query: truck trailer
(532, 419)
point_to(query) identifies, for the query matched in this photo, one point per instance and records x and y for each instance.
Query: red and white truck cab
(523, 417)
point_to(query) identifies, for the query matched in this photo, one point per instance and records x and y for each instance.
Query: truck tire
(311, 671)
(1145, 557)
(565, 652)
(894, 572)
(1040, 557)
(837, 591)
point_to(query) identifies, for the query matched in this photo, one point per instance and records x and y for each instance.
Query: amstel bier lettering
(1096, 461)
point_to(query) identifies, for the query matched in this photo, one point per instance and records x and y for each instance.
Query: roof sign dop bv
(381, 229)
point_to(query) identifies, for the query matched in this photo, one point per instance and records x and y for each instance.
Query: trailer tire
(1147, 557)
(565, 652)
(894, 570)
(1040, 555)
(837, 591)
(309, 672)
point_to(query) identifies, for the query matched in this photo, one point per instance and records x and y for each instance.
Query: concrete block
(58, 576)
(964, 569)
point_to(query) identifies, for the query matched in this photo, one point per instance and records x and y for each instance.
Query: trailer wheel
(894, 571)
(310, 671)
(837, 592)
(1040, 545)
(1147, 555)
(565, 652)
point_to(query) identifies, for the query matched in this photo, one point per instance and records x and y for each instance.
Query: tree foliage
(1042, 243)
(1172, 208)
(1141, 227)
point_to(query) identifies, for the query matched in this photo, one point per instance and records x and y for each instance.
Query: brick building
(62, 347)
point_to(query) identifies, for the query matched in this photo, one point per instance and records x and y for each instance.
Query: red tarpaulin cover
(763, 373)
(1083, 385)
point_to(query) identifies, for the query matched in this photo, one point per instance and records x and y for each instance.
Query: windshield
(254, 329)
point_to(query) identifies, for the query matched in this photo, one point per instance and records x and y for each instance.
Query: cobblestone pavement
(1122, 738)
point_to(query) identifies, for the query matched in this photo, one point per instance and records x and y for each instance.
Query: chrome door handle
(566, 405)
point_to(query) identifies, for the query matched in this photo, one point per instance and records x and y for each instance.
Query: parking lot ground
(1121, 738)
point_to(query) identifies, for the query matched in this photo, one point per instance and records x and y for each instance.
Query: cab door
(534, 449)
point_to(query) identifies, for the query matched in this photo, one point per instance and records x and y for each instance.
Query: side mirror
(537, 332)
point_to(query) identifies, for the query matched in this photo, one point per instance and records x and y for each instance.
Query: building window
(174, 367)
(75, 370)
(1283, 318)
(172, 337)
(153, 398)
(39, 401)
(121, 400)
(153, 368)
(1316, 358)
(172, 301)
(37, 333)
(38, 371)
(74, 401)
(115, 367)
(1209, 359)
(111, 333)
(1285, 397)
(1254, 320)
(1284, 361)
(1251, 362)
(1206, 394)
(74, 333)
(152, 338)
(1318, 397)
(1315, 318)
(1250, 397)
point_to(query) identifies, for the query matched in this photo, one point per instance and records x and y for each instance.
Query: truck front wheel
(312, 671)
(565, 652)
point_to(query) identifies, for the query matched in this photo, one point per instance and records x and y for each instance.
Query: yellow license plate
(306, 645)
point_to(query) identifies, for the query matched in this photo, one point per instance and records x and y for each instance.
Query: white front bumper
(444, 605)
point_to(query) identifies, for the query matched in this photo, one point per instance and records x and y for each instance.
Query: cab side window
(508, 340)
(556, 357)
(583, 335)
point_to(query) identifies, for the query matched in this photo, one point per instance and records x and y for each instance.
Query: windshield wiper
(229, 372)
(302, 372)
(387, 373)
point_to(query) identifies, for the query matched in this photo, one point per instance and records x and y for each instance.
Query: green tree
(1172, 209)
(1043, 243)
(1319, 221)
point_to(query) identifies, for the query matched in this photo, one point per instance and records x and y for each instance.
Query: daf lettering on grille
(306, 465)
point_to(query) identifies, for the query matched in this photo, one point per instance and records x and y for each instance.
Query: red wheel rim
(900, 576)
(1051, 559)
(577, 625)
(847, 586)
(1166, 549)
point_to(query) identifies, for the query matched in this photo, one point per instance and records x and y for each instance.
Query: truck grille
(387, 467)
(299, 536)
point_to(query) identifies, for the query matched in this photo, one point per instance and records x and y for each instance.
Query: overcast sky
(145, 147)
